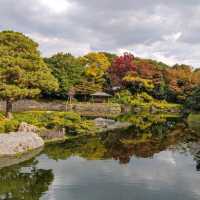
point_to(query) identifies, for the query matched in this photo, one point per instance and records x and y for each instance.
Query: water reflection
(158, 161)
(120, 145)
(6, 161)
(24, 181)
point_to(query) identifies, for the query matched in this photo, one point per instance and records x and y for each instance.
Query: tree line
(24, 73)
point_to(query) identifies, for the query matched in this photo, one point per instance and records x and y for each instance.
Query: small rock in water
(101, 122)
(26, 128)
(53, 134)
(108, 124)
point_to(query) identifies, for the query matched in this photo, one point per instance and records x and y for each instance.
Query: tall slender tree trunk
(9, 109)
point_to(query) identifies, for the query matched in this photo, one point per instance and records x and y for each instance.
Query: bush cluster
(71, 121)
(144, 101)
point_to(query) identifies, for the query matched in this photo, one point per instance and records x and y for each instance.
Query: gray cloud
(163, 29)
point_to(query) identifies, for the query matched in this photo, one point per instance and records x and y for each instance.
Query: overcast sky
(166, 30)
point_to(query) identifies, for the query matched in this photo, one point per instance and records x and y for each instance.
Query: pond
(154, 163)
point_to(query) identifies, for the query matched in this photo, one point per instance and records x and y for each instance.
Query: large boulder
(19, 142)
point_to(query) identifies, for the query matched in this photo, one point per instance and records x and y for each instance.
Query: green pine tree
(23, 73)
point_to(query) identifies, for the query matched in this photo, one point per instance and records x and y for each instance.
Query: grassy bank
(194, 117)
(193, 121)
(46, 120)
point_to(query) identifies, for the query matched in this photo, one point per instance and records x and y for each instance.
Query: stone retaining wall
(95, 109)
(28, 105)
(84, 109)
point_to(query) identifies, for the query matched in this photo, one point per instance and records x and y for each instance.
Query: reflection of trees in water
(193, 146)
(24, 181)
(27, 182)
(194, 149)
(136, 141)
(143, 145)
(90, 148)
(122, 145)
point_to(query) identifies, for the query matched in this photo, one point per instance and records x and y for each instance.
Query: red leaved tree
(121, 66)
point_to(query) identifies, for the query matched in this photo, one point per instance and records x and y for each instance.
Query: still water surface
(118, 166)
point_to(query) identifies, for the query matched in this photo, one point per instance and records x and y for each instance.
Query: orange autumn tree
(196, 77)
(147, 77)
(179, 80)
(148, 70)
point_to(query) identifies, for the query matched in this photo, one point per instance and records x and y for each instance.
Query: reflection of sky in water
(168, 175)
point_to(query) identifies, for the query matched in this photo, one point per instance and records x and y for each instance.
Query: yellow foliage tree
(96, 65)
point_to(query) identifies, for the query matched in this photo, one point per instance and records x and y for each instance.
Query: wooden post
(9, 109)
